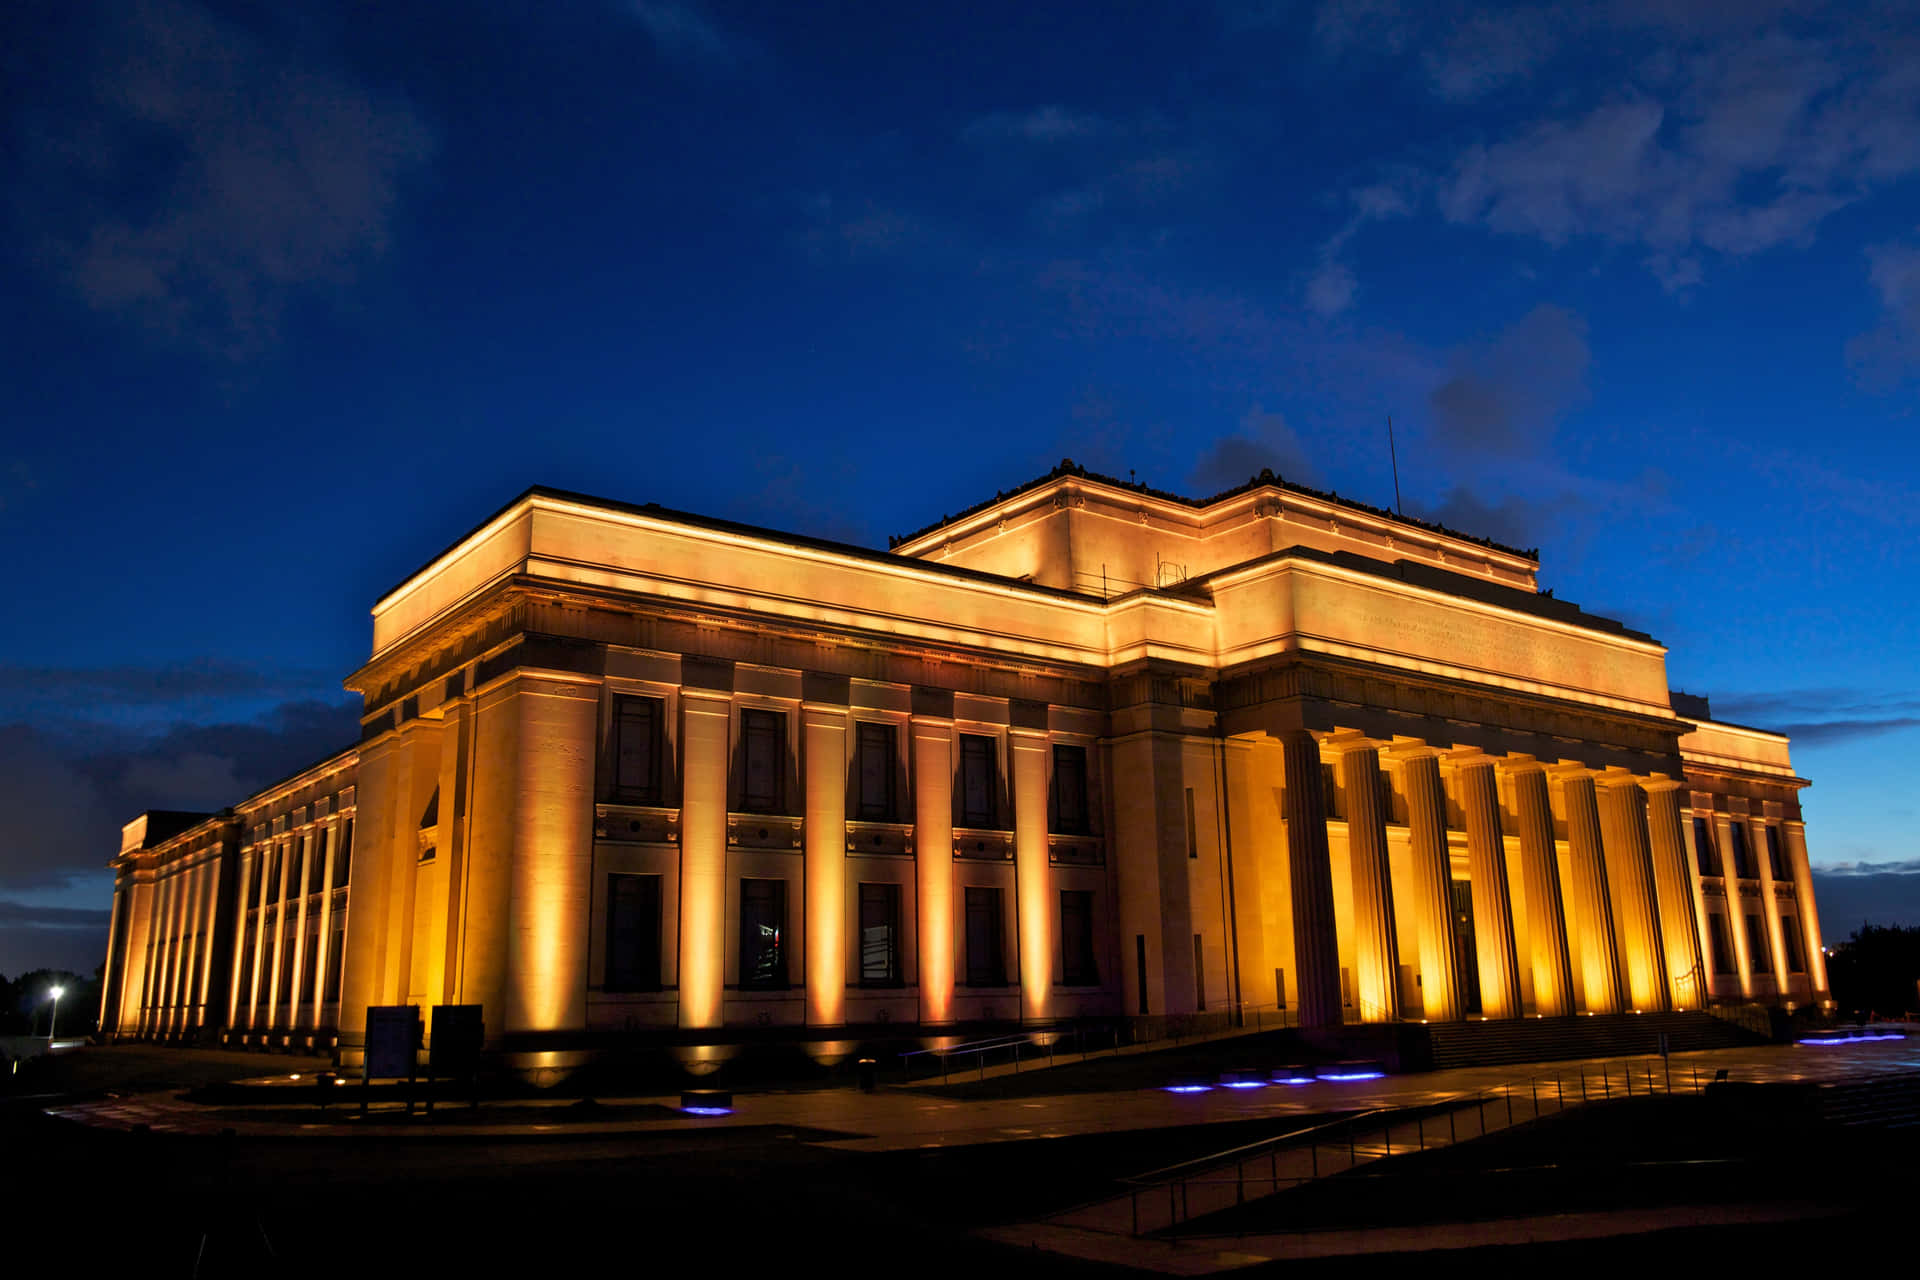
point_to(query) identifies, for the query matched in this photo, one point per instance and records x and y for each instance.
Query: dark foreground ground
(767, 1201)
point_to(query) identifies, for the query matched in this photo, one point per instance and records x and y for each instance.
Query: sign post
(458, 1033)
(393, 1034)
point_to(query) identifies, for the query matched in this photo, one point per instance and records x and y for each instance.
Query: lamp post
(54, 1017)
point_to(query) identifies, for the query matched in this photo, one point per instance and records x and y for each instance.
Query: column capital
(1348, 741)
(1409, 749)
(1615, 776)
(1469, 758)
(1660, 783)
(1515, 763)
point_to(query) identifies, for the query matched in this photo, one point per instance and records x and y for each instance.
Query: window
(285, 994)
(1790, 940)
(1742, 859)
(1758, 953)
(246, 964)
(763, 738)
(1722, 943)
(317, 862)
(986, 961)
(978, 779)
(875, 747)
(763, 930)
(1775, 862)
(1330, 792)
(343, 856)
(1077, 965)
(1193, 833)
(335, 954)
(1707, 852)
(637, 738)
(1386, 796)
(1070, 790)
(879, 935)
(310, 966)
(1199, 973)
(633, 933)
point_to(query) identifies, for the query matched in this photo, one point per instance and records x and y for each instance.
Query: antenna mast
(1393, 454)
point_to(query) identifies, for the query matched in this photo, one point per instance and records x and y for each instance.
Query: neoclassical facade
(1086, 749)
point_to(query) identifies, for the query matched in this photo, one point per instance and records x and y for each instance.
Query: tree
(25, 1002)
(1875, 971)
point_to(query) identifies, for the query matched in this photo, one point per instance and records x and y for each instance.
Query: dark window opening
(1775, 861)
(986, 959)
(638, 725)
(1759, 954)
(343, 857)
(978, 778)
(879, 935)
(310, 967)
(876, 772)
(1070, 811)
(1790, 940)
(317, 862)
(1200, 974)
(335, 954)
(763, 736)
(1706, 851)
(633, 933)
(1722, 944)
(763, 929)
(1078, 966)
(1742, 856)
(1193, 831)
(1330, 792)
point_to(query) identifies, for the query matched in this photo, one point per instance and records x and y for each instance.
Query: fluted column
(1675, 885)
(1432, 886)
(304, 870)
(1593, 915)
(1492, 904)
(1032, 873)
(1769, 903)
(703, 857)
(1376, 954)
(1736, 902)
(330, 836)
(1636, 915)
(116, 966)
(933, 864)
(1540, 872)
(1795, 834)
(1316, 951)
(825, 749)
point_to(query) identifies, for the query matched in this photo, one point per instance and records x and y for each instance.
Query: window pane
(985, 964)
(636, 750)
(764, 735)
(1775, 862)
(633, 933)
(880, 934)
(1790, 938)
(876, 772)
(977, 781)
(1078, 968)
(343, 857)
(1722, 944)
(1758, 953)
(1705, 849)
(763, 927)
(1070, 788)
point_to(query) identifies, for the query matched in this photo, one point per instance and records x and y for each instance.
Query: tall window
(317, 861)
(1742, 858)
(1758, 953)
(1790, 939)
(1330, 792)
(633, 933)
(1775, 861)
(1708, 853)
(876, 773)
(978, 776)
(1078, 968)
(763, 931)
(763, 741)
(1193, 831)
(343, 856)
(637, 738)
(335, 954)
(879, 935)
(1070, 790)
(310, 966)
(1722, 943)
(986, 961)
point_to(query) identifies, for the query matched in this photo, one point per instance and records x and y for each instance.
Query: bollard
(868, 1071)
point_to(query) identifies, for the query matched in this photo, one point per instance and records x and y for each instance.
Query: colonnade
(164, 931)
(289, 909)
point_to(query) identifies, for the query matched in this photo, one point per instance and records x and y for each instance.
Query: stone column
(243, 889)
(133, 982)
(1540, 871)
(1736, 902)
(1432, 875)
(258, 988)
(1593, 915)
(1316, 951)
(330, 845)
(1769, 903)
(703, 856)
(304, 871)
(1033, 873)
(1795, 834)
(1636, 914)
(1498, 957)
(1675, 884)
(825, 751)
(1696, 891)
(1376, 953)
(116, 967)
(933, 864)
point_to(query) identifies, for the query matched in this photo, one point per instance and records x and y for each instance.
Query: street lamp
(54, 1017)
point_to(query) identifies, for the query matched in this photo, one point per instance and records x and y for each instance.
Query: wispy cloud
(1822, 716)
(1046, 124)
(1889, 353)
(687, 33)
(1506, 396)
(1264, 442)
(197, 177)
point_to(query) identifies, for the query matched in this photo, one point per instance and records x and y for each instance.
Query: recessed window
(763, 742)
(1708, 853)
(638, 734)
(1776, 860)
(763, 932)
(1790, 940)
(1071, 815)
(876, 772)
(633, 933)
(1722, 939)
(979, 775)
(879, 935)
(986, 957)
(1742, 856)
(343, 856)
(336, 953)
(1330, 792)
(1759, 954)
(1078, 966)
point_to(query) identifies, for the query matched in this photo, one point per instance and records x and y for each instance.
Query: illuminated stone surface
(1146, 691)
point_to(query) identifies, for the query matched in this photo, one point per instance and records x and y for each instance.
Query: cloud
(1515, 522)
(1485, 52)
(685, 33)
(198, 178)
(1264, 442)
(1889, 353)
(1048, 124)
(1330, 290)
(1506, 396)
(32, 915)
(1822, 716)
(1850, 899)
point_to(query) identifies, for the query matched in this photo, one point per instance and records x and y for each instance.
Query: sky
(291, 296)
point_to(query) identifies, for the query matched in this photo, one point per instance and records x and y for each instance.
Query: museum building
(1088, 749)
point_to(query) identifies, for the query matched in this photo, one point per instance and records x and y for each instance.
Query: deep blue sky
(291, 300)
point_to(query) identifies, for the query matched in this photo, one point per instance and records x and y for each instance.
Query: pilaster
(825, 750)
(1540, 871)
(1795, 834)
(1487, 874)
(1033, 873)
(933, 864)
